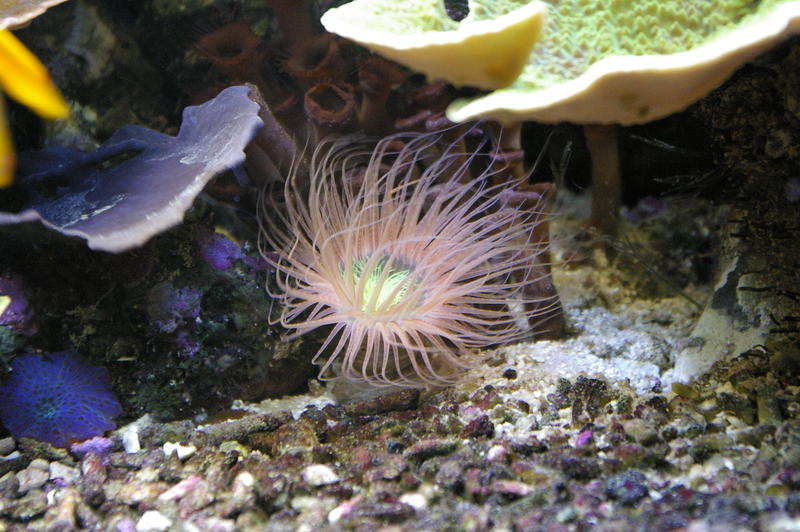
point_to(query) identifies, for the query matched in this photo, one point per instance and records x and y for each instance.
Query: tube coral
(411, 263)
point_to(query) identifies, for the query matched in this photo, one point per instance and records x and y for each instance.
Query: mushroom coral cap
(643, 77)
(488, 49)
(17, 12)
(596, 61)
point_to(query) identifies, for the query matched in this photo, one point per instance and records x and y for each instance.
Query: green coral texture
(402, 18)
(581, 32)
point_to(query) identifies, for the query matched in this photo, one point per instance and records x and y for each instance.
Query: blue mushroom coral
(57, 398)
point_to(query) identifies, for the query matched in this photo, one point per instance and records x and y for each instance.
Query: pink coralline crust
(410, 261)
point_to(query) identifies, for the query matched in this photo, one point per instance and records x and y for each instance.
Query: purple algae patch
(57, 398)
(170, 307)
(220, 251)
(98, 445)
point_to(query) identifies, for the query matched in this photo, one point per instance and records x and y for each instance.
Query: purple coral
(57, 398)
(19, 314)
(124, 205)
(170, 307)
(220, 251)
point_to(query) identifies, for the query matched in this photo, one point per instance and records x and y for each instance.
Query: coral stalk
(603, 144)
(376, 78)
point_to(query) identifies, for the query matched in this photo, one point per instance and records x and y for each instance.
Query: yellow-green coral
(581, 32)
(488, 49)
(625, 61)
(398, 18)
(604, 61)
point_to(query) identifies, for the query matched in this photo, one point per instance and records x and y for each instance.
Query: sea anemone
(413, 263)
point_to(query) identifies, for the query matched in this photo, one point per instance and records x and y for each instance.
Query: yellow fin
(26, 80)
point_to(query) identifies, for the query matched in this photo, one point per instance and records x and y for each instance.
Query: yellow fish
(26, 80)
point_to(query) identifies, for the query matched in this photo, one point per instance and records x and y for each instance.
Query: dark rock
(424, 449)
(480, 427)
(628, 487)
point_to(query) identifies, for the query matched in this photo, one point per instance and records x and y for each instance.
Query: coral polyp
(411, 261)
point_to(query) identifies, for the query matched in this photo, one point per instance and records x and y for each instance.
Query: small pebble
(566, 515)
(344, 509)
(511, 488)
(130, 438)
(415, 500)
(628, 487)
(153, 521)
(584, 438)
(319, 475)
(428, 448)
(497, 453)
(510, 373)
(7, 445)
(182, 451)
(67, 475)
(28, 506)
(9, 485)
(179, 490)
(32, 478)
(40, 463)
(64, 518)
(480, 427)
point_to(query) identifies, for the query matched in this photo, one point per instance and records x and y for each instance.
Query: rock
(153, 521)
(628, 487)
(32, 478)
(319, 475)
(65, 474)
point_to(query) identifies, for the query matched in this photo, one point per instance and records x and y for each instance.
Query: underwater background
(148, 378)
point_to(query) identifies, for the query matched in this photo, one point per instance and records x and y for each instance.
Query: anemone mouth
(47, 408)
(382, 285)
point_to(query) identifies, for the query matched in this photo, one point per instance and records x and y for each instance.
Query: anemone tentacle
(410, 260)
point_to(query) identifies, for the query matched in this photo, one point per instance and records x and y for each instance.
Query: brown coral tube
(293, 18)
(234, 50)
(376, 78)
(603, 144)
(434, 97)
(315, 60)
(331, 108)
(415, 122)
